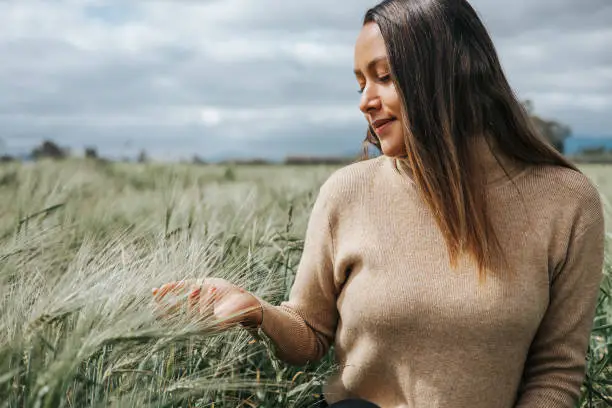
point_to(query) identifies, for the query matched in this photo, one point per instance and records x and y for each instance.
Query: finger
(207, 300)
(208, 287)
(173, 287)
(159, 291)
(179, 285)
(163, 290)
(167, 308)
(194, 298)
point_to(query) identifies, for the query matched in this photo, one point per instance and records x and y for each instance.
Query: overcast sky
(256, 77)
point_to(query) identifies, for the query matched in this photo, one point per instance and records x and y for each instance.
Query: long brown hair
(453, 89)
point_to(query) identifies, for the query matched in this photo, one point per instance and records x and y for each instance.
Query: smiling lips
(381, 124)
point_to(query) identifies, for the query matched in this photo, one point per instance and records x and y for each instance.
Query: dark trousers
(350, 403)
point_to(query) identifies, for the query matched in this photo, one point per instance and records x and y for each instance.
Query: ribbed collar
(490, 158)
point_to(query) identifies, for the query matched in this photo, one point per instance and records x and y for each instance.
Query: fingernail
(155, 290)
(212, 289)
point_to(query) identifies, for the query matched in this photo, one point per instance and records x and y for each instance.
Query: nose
(370, 100)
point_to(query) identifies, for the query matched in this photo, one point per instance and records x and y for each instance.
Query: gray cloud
(524, 16)
(267, 77)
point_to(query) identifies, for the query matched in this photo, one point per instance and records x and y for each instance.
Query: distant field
(83, 243)
(601, 174)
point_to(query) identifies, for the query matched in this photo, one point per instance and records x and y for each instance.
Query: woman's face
(380, 102)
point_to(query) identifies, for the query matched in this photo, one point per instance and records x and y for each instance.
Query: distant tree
(601, 150)
(247, 162)
(143, 157)
(553, 131)
(49, 149)
(315, 160)
(197, 160)
(4, 156)
(91, 153)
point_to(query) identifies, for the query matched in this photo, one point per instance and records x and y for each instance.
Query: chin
(393, 150)
(392, 145)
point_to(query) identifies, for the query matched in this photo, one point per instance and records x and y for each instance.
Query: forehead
(369, 46)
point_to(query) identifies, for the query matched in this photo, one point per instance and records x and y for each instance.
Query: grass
(83, 243)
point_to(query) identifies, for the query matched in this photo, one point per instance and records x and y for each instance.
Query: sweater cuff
(269, 321)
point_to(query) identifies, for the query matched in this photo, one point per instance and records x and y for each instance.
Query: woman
(461, 267)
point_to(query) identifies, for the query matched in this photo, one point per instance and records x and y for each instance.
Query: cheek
(394, 107)
(391, 100)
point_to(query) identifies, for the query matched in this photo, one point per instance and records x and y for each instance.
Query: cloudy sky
(262, 78)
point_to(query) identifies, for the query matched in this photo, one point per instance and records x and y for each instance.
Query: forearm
(294, 340)
(555, 390)
(556, 366)
(303, 328)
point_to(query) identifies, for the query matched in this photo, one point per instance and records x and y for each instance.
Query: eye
(383, 78)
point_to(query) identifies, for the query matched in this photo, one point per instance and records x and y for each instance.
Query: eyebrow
(371, 64)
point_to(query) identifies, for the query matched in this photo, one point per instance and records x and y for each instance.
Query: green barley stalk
(83, 243)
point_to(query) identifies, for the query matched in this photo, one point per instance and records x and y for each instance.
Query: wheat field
(83, 243)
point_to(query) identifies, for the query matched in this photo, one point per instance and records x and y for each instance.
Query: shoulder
(572, 182)
(571, 190)
(351, 180)
(346, 187)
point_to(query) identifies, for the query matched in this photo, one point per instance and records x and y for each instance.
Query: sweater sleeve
(556, 365)
(303, 328)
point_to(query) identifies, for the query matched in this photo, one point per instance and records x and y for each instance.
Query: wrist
(254, 318)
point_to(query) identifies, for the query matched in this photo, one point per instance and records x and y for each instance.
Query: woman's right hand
(227, 303)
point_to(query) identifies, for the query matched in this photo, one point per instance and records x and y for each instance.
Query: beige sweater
(374, 280)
